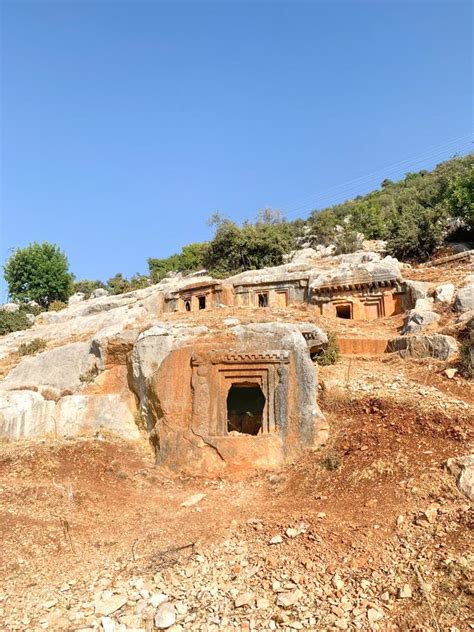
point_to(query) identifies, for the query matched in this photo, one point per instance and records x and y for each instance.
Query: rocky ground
(372, 532)
(369, 533)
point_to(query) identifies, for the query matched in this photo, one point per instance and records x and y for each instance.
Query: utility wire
(353, 187)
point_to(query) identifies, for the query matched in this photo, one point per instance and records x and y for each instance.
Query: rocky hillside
(369, 531)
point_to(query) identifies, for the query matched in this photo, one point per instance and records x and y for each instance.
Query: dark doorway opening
(187, 304)
(202, 302)
(316, 352)
(245, 404)
(263, 299)
(344, 311)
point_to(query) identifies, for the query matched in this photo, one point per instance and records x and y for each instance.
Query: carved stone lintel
(262, 357)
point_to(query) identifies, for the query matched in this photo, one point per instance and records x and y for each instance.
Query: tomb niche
(236, 402)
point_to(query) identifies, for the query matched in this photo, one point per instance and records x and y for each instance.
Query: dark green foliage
(13, 321)
(39, 272)
(29, 348)
(412, 215)
(461, 197)
(330, 353)
(251, 246)
(191, 259)
(118, 284)
(87, 286)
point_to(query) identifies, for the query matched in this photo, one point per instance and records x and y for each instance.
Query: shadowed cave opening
(343, 311)
(245, 404)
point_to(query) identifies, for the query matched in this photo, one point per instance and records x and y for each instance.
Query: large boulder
(463, 469)
(444, 293)
(418, 289)
(416, 321)
(99, 293)
(424, 346)
(25, 414)
(85, 414)
(9, 307)
(78, 297)
(464, 301)
(59, 368)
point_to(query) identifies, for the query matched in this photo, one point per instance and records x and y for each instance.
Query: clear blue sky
(126, 124)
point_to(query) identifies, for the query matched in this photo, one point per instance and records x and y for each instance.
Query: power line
(354, 186)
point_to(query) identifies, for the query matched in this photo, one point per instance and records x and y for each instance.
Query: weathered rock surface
(444, 293)
(424, 346)
(60, 368)
(464, 300)
(416, 321)
(9, 307)
(78, 297)
(25, 414)
(79, 414)
(463, 469)
(418, 289)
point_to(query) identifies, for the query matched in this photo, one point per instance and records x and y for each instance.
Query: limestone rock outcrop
(59, 368)
(418, 320)
(464, 301)
(424, 346)
(463, 469)
(26, 414)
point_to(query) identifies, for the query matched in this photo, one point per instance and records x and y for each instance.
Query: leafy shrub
(39, 272)
(87, 286)
(13, 321)
(330, 353)
(29, 348)
(251, 246)
(191, 259)
(412, 214)
(57, 306)
(118, 284)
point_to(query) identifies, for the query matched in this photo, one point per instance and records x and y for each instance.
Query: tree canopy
(39, 272)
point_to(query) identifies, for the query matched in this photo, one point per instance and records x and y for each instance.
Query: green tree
(191, 258)
(461, 198)
(39, 272)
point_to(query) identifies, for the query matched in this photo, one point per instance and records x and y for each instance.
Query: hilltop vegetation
(415, 216)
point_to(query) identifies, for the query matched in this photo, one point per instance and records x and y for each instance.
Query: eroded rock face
(424, 346)
(59, 368)
(242, 399)
(85, 414)
(444, 293)
(464, 301)
(463, 469)
(417, 320)
(25, 414)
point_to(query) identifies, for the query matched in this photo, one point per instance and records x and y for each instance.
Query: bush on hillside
(13, 321)
(57, 306)
(39, 272)
(86, 287)
(412, 214)
(191, 259)
(29, 348)
(118, 284)
(251, 246)
(330, 353)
